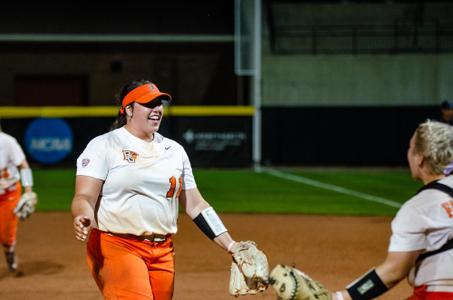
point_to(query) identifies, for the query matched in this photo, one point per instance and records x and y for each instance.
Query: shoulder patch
(85, 162)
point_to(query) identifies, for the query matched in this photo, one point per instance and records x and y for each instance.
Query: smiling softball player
(129, 184)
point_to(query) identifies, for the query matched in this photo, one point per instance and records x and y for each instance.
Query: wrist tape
(26, 177)
(369, 286)
(339, 296)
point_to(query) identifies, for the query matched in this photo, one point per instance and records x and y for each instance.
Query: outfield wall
(212, 136)
(340, 136)
(222, 136)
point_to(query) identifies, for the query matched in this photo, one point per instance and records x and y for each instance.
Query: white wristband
(26, 177)
(230, 245)
(339, 296)
(213, 220)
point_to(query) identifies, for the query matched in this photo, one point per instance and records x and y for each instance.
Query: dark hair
(446, 104)
(121, 119)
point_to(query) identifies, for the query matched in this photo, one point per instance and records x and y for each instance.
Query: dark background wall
(185, 47)
(336, 91)
(156, 17)
(340, 136)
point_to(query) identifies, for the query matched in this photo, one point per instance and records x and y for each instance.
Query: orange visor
(143, 94)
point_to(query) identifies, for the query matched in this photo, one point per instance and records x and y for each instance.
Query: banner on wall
(48, 140)
(211, 142)
(215, 141)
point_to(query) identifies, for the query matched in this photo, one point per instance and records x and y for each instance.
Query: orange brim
(144, 94)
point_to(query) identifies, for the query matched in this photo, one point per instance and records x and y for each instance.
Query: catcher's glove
(293, 284)
(249, 269)
(26, 205)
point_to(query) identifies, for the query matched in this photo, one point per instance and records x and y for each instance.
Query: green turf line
(332, 187)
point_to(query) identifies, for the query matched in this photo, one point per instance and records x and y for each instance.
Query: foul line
(331, 187)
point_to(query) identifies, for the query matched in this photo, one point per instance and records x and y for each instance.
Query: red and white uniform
(142, 181)
(426, 222)
(11, 156)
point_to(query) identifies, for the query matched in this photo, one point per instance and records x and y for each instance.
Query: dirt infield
(334, 250)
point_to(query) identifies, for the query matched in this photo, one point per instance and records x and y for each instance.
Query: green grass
(243, 191)
(55, 188)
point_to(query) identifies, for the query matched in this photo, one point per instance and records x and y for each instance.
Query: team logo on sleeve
(85, 162)
(130, 156)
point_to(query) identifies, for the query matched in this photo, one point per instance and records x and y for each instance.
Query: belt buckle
(157, 238)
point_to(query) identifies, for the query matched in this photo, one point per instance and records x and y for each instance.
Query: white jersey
(11, 156)
(426, 222)
(142, 181)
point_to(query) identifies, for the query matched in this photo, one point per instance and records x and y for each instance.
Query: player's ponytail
(121, 119)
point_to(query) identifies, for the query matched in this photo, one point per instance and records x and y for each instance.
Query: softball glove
(26, 205)
(249, 269)
(293, 284)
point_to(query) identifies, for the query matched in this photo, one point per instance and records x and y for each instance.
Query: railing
(401, 37)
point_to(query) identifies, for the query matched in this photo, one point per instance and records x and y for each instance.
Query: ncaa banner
(48, 141)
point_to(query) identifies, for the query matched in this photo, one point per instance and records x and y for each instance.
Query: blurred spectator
(446, 111)
(446, 116)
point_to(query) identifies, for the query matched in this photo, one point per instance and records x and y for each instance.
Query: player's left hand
(249, 270)
(26, 205)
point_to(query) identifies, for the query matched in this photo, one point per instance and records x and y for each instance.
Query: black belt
(155, 237)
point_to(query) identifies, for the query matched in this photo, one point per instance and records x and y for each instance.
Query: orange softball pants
(125, 268)
(8, 220)
(420, 293)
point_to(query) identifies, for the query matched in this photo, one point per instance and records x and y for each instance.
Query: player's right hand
(82, 227)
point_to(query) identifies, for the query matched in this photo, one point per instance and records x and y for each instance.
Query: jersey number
(171, 191)
(448, 206)
(4, 173)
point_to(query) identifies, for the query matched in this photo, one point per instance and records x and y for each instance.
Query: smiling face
(144, 119)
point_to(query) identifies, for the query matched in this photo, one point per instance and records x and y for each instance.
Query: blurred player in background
(446, 112)
(422, 231)
(129, 184)
(14, 171)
